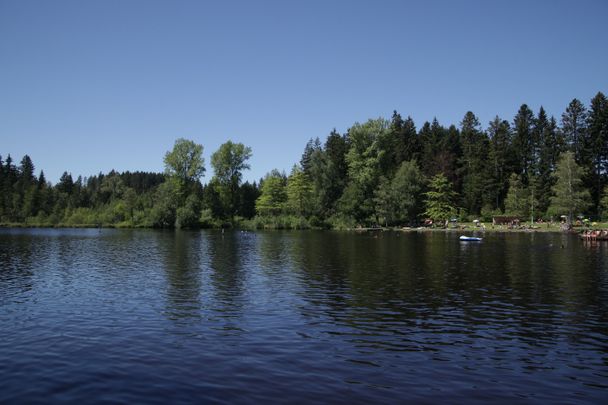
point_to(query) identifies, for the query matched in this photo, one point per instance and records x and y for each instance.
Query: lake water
(164, 317)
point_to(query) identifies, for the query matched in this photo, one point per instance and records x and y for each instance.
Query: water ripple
(241, 317)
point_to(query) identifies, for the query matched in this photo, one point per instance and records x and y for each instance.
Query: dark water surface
(166, 317)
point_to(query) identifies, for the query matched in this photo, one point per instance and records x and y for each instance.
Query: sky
(91, 86)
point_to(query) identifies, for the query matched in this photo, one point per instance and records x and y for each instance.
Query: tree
(328, 173)
(27, 170)
(66, 183)
(185, 162)
(399, 200)
(472, 163)
(299, 192)
(407, 147)
(523, 142)
(517, 202)
(596, 149)
(604, 204)
(228, 162)
(179, 195)
(384, 201)
(311, 147)
(550, 145)
(440, 199)
(163, 213)
(570, 195)
(574, 129)
(363, 160)
(249, 193)
(500, 162)
(407, 186)
(273, 196)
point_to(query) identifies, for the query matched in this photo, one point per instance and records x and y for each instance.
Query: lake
(90, 315)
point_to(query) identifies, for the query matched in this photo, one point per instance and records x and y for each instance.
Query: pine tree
(299, 193)
(551, 145)
(523, 142)
(596, 148)
(440, 200)
(472, 163)
(309, 149)
(604, 204)
(517, 202)
(574, 129)
(570, 195)
(273, 196)
(500, 162)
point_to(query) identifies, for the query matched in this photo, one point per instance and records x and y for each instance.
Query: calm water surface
(157, 317)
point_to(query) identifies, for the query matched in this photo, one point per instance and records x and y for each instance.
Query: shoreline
(463, 228)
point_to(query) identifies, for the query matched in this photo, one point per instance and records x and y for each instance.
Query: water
(156, 317)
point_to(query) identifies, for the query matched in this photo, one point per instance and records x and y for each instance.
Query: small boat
(470, 239)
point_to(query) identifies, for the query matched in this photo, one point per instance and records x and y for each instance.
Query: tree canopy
(375, 172)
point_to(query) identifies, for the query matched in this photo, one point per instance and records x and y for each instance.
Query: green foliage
(500, 163)
(185, 161)
(604, 204)
(399, 200)
(273, 195)
(440, 199)
(517, 202)
(523, 142)
(299, 193)
(596, 149)
(363, 159)
(228, 162)
(574, 129)
(187, 216)
(365, 176)
(473, 163)
(164, 211)
(570, 196)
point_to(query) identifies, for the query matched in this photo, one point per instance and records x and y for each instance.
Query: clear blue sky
(90, 86)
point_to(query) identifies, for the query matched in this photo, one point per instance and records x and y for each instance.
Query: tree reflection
(227, 277)
(183, 268)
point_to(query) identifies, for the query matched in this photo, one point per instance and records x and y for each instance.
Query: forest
(381, 172)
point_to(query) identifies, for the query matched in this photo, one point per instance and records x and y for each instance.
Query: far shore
(461, 227)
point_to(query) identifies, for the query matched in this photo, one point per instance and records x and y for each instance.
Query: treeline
(385, 172)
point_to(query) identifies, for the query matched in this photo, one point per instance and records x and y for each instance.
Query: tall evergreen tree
(597, 148)
(550, 145)
(408, 147)
(249, 193)
(311, 147)
(500, 162)
(440, 200)
(517, 202)
(570, 195)
(472, 163)
(299, 193)
(574, 129)
(523, 142)
(273, 194)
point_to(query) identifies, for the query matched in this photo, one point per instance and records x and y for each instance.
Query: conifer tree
(596, 149)
(523, 142)
(570, 196)
(440, 200)
(574, 129)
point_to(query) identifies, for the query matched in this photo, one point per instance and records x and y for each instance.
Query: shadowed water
(156, 317)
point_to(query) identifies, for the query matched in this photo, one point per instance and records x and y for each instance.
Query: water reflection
(182, 254)
(302, 316)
